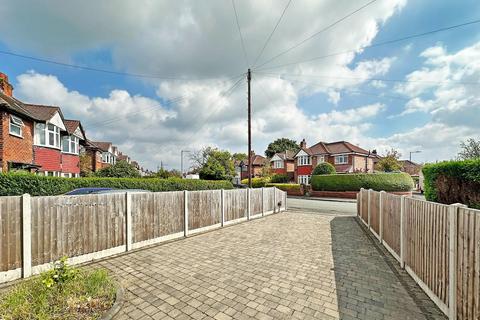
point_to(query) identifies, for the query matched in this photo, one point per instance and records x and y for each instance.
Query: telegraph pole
(249, 79)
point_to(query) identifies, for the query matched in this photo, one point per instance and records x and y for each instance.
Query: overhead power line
(240, 33)
(378, 44)
(316, 34)
(271, 34)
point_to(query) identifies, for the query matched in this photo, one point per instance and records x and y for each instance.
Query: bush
(324, 168)
(16, 184)
(257, 182)
(286, 186)
(353, 182)
(279, 178)
(453, 181)
(121, 169)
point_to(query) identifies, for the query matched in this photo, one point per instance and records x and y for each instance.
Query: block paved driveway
(303, 264)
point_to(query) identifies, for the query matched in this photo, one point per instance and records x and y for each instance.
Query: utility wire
(271, 34)
(240, 33)
(118, 73)
(315, 34)
(378, 44)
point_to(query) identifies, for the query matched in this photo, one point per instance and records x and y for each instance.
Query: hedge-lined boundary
(17, 184)
(453, 181)
(353, 182)
(285, 186)
(257, 182)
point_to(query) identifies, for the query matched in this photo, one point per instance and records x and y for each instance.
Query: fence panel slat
(10, 233)
(268, 199)
(235, 204)
(204, 208)
(391, 222)
(256, 201)
(375, 211)
(364, 205)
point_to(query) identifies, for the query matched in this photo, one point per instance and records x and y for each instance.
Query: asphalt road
(321, 206)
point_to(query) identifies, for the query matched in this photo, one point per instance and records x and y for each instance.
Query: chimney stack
(5, 86)
(252, 153)
(303, 144)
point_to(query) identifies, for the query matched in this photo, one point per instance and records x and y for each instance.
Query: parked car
(80, 191)
(122, 191)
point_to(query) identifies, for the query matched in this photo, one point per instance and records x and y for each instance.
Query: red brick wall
(304, 170)
(12, 148)
(70, 163)
(49, 159)
(279, 171)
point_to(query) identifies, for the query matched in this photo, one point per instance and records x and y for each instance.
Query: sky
(176, 77)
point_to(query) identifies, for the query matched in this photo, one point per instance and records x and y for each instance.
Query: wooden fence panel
(10, 233)
(204, 208)
(235, 204)
(364, 205)
(156, 214)
(391, 221)
(268, 199)
(375, 211)
(280, 197)
(76, 225)
(256, 201)
(426, 244)
(468, 264)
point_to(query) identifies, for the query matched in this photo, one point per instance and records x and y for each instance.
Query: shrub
(353, 182)
(16, 184)
(453, 181)
(279, 178)
(121, 169)
(257, 182)
(324, 168)
(285, 186)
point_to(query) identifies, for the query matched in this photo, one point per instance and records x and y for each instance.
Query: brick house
(410, 167)
(284, 163)
(71, 148)
(344, 156)
(109, 153)
(257, 164)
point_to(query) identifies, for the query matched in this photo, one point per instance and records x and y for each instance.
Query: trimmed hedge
(353, 182)
(279, 178)
(453, 181)
(257, 182)
(286, 186)
(17, 184)
(324, 168)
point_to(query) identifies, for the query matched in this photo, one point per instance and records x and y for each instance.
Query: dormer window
(16, 126)
(47, 135)
(303, 160)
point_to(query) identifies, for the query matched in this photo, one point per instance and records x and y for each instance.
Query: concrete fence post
(402, 231)
(248, 203)
(274, 199)
(222, 195)
(285, 195)
(128, 220)
(360, 198)
(452, 259)
(263, 201)
(369, 199)
(185, 213)
(26, 236)
(380, 214)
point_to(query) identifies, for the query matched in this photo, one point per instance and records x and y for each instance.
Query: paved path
(299, 265)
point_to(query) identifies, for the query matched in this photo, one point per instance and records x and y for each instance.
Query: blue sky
(193, 42)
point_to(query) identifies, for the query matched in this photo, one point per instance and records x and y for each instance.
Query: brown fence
(35, 231)
(437, 244)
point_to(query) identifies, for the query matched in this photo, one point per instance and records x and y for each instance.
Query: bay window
(303, 160)
(16, 126)
(341, 159)
(304, 179)
(70, 144)
(47, 135)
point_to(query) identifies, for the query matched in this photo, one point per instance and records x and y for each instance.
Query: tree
(470, 149)
(239, 156)
(165, 174)
(121, 169)
(85, 165)
(199, 158)
(217, 166)
(390, 162)
(281, 145)
(266, 171)
(324, 168)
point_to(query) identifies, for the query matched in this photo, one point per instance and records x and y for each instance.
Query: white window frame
(278, 164)
(108, 157)
(69, 141)
(46, 129)
(16, 122)
(304, 160)
(51, 173)
(341, 159)
(303, 179)
(320, 159)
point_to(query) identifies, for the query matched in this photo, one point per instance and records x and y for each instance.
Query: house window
(303, 160)
(50, 173)
(47, 135)
(70, 144)
(107, 157)
(341, 159)
(16, 126)
(278, 164)
(304, 179)
(320, 159)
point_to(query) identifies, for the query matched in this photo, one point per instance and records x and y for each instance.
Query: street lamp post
(410, 157)
(181, 160)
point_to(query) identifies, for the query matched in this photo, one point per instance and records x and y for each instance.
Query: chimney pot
(5, 86)
(303, 144)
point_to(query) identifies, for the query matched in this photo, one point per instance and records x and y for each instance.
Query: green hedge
(17, 184)
(324, 168)
(353, 182)
(257, 182)
(285, 186)
(453, 181)
(279, 178)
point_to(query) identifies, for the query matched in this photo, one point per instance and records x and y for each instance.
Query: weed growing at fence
(353, 182)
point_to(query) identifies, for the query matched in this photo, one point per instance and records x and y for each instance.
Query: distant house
(344, 156)
(410, 167)
(257, 164)
(284, 163)
(109, 152)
